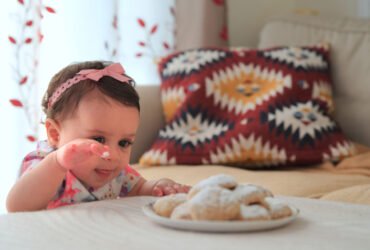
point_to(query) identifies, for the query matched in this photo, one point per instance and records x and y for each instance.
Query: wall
(246, 17)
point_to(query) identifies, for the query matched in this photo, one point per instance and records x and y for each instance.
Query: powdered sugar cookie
(165, 205)
(249, 194)
(214, 203)
(253, 213)
(265, 191)
(220, 198)
(181, 212)
(277, 208)
(221, 180)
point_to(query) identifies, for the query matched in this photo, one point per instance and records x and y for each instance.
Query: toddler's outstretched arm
(159, 187)
(34, 190)
(37, 187)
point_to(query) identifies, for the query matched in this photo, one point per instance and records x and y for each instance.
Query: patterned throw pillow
(251, 108)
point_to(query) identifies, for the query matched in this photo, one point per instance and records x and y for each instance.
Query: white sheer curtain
(135, 33)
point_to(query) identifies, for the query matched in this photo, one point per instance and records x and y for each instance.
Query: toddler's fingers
(100, 150)
(186, 188)
(169, 190)
(181, 188)
(178, 188)
(157, 191)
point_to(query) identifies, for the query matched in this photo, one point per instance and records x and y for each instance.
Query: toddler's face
(109, 122)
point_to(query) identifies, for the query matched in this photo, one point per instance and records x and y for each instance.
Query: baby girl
(92, 115)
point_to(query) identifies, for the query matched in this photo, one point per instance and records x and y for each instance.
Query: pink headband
(114, 70)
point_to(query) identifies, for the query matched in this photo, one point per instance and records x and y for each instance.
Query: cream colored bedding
(121, 224)
(349, 181)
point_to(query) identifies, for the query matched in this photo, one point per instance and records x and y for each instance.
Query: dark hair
(69, 100)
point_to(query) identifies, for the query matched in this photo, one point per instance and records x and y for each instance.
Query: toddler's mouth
(103, 172)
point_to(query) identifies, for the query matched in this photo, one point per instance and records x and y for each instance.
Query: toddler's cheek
(86, 170)
(123, 163)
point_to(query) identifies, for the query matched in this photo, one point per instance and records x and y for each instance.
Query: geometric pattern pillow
(249, 108)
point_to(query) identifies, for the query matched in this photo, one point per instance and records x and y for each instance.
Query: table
(120, 224)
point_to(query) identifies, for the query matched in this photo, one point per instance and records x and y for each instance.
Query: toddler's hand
(80, 153)
(167, 187)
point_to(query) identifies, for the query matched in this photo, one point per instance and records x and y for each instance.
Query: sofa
(346, 181)
(332, 198)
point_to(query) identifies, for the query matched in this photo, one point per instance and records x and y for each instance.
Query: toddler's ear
(52, 131)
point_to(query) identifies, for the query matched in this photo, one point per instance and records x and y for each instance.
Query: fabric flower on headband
(114, 70)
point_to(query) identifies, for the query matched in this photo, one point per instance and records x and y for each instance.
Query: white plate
(218, 226)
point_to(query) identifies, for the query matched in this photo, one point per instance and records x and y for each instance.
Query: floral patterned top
(72, 190)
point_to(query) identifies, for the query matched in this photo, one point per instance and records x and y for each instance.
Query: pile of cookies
(220, 197)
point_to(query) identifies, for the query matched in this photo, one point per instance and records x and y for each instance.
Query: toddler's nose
(105, 155)
(114, 154)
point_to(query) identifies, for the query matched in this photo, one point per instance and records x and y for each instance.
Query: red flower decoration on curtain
(166, 45)
(23, 80)
(49, 9)
(148, 39)
(111, 47)
(141, 22)
(28, 40)
(16, 103)
(29, 23)
(31, 138)
(12, 40)
(152, 49)
(154, 29)
(224, 33)
(26, 62)
(218, 2)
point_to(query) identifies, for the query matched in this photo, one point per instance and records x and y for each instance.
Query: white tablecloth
(121, 224)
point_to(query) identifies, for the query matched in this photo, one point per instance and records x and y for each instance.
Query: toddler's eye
(99, 139)
(124, 143)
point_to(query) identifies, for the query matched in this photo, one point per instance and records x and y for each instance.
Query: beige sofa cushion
(357, 194)
(151, 120)
(350, 41)
(310, 183)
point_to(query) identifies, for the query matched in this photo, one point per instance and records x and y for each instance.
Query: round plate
(218, 226)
